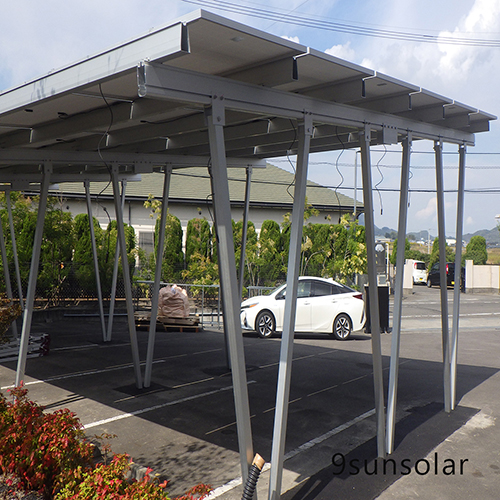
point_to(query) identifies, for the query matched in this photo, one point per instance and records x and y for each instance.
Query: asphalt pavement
(183, 426)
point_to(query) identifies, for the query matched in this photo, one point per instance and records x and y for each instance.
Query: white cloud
(429, 212)
(469, 221)
(344, 51)
(291, 38)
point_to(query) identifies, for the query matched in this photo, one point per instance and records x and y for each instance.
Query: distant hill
(492, 236)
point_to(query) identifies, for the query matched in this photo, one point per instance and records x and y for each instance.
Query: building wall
(481, 279)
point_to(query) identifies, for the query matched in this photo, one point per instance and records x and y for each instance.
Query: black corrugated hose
(253, 477)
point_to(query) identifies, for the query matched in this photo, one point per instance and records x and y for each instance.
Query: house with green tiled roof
(271, 197)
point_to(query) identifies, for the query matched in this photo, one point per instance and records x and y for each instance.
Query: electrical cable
(338, 170)
(352, 29)
(290, 161)
(108, 168)
(380, 181)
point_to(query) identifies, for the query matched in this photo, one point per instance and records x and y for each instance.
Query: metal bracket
(217, 111)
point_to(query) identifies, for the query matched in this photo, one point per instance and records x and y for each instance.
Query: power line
(318, 23)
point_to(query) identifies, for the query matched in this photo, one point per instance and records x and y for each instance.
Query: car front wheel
(429, 283)
(265, 324)
(342, 327)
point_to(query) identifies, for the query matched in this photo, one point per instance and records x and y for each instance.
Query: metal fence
(204, 300)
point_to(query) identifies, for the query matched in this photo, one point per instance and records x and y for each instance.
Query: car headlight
(247, 306)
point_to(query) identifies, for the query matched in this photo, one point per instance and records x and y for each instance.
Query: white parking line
(157, 407)
(217, 492)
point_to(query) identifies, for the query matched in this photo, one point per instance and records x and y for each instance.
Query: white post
(244, 229)
(14, 250)
(286, 353)
(438, 148)
(5, 263)
(114, 279)
(95, 259)
(126, 278)
(229, 281)
(35, 258)
(458, 275)
(398, 297)
(156, 284)
(378, 380)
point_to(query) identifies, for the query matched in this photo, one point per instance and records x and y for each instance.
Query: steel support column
(14, 250)
(378, 380)
(229, 281)
(5, 264)
(245, 229)
(458, 276)
(126, 277)
(114, 279)
(438, 148)
(95, 259)
(398, 297)
(156, 284)
(35, 258)
(286, 352)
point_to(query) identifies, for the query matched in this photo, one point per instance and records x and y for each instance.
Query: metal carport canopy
(205, 90)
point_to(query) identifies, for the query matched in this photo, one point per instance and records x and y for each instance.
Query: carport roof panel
(39, 113)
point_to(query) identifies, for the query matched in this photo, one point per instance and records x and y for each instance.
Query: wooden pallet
(191, 323)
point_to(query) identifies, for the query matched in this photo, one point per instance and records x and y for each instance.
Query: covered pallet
(173, 311)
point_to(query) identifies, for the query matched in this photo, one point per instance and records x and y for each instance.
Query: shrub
(48, 453)
(39, 447)
(109, 481)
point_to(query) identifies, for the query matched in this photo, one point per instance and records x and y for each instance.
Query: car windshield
(420, 266)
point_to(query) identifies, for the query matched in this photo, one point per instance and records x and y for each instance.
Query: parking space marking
(105, 370)
(217, 492)
(162, 405)
(465, 315)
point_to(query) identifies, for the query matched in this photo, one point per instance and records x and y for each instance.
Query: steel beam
(126, 278)
(398, 297)
(458, 276)
(166, 82)
(5, 264)
(35, 258)
(95, 259)
(438, 148)
(156, 284)
(14, 249)
(245, 229)
(286, 353)
(114, 279)
(229, 281)
(378, 380)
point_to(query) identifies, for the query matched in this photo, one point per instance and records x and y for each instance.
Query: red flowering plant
(37, 447)
(48, 453)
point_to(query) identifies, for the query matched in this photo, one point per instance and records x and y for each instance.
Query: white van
(419, 272)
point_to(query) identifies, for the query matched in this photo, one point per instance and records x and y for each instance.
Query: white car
(323, 306)
(419, 272)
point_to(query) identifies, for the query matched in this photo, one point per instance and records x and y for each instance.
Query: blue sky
(36, 37)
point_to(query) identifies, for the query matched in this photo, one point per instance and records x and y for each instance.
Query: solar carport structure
(206, 91)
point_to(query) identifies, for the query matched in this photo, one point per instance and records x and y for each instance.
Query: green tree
(56, 252)
(309, 211)
(198, 239)
(83, 263)
(476, 251)
(250, 250)
(450, 254)
(392, 258)
(316, 249)
(270, 251)
(348, 250)
(173, 256)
